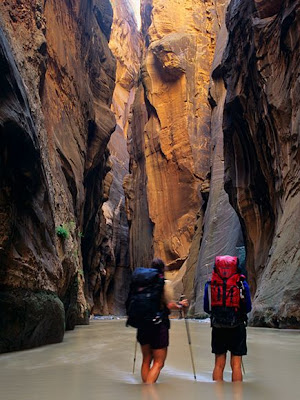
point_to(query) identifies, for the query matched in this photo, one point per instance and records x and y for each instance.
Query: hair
(157, 263)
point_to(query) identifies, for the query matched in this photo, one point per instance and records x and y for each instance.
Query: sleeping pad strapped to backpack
(227, 293)
(144, 304)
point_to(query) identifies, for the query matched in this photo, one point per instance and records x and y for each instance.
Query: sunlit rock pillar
(180, 40)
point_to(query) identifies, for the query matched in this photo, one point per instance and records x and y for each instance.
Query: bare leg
(220, 361)
(236, 366)
(147, 358)
(159, 357)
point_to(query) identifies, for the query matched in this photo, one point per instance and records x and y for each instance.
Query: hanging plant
(62, 232)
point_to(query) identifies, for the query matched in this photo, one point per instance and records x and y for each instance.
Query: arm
(169, 298)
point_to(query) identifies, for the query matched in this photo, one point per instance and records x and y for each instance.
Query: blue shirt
(247, 298)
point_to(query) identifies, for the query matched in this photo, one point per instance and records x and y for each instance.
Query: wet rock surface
(29, 319)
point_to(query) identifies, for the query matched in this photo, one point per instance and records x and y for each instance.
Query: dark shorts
(229, 339)
(157, 336)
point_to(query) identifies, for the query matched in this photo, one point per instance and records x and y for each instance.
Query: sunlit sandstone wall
(57, 81)
(262, 157)
(174, 156)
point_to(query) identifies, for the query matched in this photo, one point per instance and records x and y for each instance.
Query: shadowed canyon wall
(222, 233)
(254, 95)
(261, 138)
(109, 277)
(57, 81)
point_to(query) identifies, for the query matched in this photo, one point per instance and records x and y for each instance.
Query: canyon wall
(181, 209)
(261, 149)
(114, 149)
(173, 150)
(222, 233)
(109, 277)
(57, 80)
(254, 96)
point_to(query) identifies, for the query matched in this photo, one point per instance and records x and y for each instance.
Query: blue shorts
(157, 336)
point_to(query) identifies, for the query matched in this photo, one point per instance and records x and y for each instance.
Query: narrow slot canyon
(124, 137)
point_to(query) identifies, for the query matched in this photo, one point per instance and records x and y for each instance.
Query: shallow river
(95, 362)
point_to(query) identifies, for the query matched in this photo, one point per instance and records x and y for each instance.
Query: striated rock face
(261, 137)
(222, 233)
(141, 227)
(27, 242)
(109, 278)
(254, 95)
(174, 156)
(57, 80)
(266, 8)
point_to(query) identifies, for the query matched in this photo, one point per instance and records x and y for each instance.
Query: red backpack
(226, 293)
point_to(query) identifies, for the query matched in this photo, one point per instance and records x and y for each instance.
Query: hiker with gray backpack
(148, 307)
(227, 300)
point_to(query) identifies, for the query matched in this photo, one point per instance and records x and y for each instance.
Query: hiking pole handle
(186, 302)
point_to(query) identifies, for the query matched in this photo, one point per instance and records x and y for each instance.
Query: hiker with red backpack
(227, 300)
(148, 307)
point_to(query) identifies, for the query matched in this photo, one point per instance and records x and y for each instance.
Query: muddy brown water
(95, 362)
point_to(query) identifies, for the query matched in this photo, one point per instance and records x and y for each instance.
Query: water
(95, 362)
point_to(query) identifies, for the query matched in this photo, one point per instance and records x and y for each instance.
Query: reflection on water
(96, 361)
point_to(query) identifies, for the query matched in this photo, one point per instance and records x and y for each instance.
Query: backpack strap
(209, 296)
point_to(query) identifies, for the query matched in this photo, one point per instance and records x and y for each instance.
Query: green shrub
(62, 232)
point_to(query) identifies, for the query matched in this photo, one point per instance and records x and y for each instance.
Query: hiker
(149, 301)
(227, 300)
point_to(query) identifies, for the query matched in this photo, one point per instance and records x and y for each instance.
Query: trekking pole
(134, 358)
(189, 340)
(244, 372)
